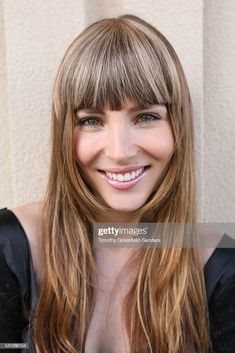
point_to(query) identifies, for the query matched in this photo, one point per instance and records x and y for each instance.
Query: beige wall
(33, 38)
(219, 111)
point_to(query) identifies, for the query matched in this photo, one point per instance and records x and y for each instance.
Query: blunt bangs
(119, 61)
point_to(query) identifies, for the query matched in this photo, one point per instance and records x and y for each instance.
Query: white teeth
(120, 177)
(125, 176)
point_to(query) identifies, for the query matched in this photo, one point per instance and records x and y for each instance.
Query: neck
(117, 217)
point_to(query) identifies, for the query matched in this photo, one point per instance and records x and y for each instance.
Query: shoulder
(221, 263)
(15, 278)
(12, 305)
(224, 270)
(220, 285)
(29, 217)
(222, 312)
(220, 267)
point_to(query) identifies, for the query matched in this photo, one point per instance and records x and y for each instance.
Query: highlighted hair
(165, 310)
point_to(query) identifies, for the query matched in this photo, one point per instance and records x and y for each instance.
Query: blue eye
(145, 118)
(88, 122)
(94, 122)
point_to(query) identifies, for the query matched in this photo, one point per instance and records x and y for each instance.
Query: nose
(119, 146)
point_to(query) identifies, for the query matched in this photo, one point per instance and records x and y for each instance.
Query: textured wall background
(33, 38)
(219, 111)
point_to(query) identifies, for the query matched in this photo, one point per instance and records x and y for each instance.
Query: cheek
(161, 144)
(165, 146)
(84, 150)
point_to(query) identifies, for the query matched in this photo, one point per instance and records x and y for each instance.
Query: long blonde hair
(111, 60)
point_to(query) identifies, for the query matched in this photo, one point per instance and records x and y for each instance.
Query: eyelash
(82, 121)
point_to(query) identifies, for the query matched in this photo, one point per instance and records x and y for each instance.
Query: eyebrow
(130, 110)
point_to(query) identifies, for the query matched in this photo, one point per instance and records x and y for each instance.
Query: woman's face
(123, 154)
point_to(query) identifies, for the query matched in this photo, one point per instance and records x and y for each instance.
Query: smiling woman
(130, 155)
(122, 151)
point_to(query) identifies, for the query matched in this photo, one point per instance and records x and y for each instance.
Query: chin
(126, 207)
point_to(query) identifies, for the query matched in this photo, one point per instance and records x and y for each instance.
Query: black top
(18, 288)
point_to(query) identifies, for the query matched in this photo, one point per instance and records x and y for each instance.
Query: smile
(124, 180)
(126, 176)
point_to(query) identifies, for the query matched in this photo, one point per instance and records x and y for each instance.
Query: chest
(107, 332)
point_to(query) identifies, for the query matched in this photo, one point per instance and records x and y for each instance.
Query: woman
(122, 151)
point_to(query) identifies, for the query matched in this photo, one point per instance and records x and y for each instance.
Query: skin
(121, 139)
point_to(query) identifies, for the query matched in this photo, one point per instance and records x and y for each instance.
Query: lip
(123, 185)
(123, 170)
